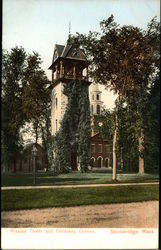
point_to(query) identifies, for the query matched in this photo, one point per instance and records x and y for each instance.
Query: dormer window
(74, 52)
(55, 55)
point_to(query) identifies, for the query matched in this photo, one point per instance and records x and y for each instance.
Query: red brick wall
(96, 140)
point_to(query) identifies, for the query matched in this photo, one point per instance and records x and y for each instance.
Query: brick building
(101, 148)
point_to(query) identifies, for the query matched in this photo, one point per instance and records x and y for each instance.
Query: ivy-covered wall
(73, 136)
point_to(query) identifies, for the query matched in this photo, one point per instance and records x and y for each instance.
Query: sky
(37, 25)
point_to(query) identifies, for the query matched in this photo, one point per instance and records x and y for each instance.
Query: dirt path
(136, 215)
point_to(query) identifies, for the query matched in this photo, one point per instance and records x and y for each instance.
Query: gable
(76, 53)
(67, 52)
(57, 51)
(98, 137)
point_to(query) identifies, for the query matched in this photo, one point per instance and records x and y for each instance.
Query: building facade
(101, 152)
(101, 148)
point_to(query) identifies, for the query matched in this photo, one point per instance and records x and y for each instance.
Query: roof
(98, 136)
(59, 49)
(64, 51)
(30, 145)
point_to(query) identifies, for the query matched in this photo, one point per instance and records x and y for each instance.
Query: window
(99, 148)
(98, 97)
(74, 52)
(92, 109)
(56, 125)
(56, 102)
(106, 163)
(93, 148)
(106, 148)
(99, 162)
(98, 109)
(55, 55)
(92, 97)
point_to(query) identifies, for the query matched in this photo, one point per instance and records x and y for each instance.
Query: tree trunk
(36, 141)
(114, 177)
(141, 157)
(36, 134)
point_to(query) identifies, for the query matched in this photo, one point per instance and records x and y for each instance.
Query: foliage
(126, 59)
(74, 133)
(84, 130)
(25, 98)
(108, 124)
(35, 97)
(46, 136)
(152, 131)
(13, 64)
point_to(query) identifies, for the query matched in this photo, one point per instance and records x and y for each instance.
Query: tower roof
(67, 51)
(59, 49)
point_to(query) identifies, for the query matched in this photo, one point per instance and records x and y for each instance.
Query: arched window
(106, 162)
(98, 97)
(98, 109)
(56, 102)
(99, 162)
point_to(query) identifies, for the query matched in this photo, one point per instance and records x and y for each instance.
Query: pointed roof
(63, 51)
(66, 49)
(59, 49)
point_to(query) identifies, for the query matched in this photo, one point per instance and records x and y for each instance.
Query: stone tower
(68, 63)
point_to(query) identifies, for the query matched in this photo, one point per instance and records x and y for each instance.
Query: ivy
(74, 133)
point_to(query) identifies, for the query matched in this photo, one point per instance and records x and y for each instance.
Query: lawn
(62, 197)
(26, 179)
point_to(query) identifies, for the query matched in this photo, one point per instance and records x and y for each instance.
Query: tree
(25, 98)
(13, 65)
(123, 59)
(36, 96)
(152, 131)
(46, 136)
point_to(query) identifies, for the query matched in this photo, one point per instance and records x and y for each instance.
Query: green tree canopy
(25, 98)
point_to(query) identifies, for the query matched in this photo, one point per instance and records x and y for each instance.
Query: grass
(66, 197)
(26, 179)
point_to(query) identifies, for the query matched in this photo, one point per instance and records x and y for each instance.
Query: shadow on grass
(26, 179)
